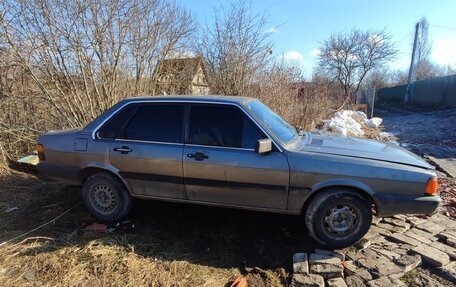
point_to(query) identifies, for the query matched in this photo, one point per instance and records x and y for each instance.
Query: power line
(443, 27)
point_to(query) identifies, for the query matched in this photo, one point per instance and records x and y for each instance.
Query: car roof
(209, 99)
(192, 98)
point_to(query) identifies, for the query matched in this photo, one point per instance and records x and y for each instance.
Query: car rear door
(221, 165)
(148, 150)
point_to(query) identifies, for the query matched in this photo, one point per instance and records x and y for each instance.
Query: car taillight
(40, 150)
(432, 186)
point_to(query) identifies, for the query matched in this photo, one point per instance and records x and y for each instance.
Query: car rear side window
(156, 122)
(222, 126)
(114, 125)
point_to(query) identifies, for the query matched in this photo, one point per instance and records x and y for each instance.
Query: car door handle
(199, 156)
(123, 150)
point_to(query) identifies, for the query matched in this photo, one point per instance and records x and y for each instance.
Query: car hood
(356, 147)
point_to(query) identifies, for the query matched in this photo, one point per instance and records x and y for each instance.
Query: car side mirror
(263, 146)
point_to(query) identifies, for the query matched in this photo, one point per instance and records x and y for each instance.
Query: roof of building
(183, 69)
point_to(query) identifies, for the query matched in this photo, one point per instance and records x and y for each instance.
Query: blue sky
(301, 25)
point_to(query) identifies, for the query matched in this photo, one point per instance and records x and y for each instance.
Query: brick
(387, 253)
(376, 220)
(350, 269)
(316, 258)
(328, 271)
(398, 237)
(339, 255)
(448, 237)
(431, 227)
(450, 251)
(374, 230)
(448, 271)
(431, 255)
(385, 282)
(354, 281)
(300, 263)
(414, 221)
(408, 262)
(380, 268)
(310, 280)
(336, 282)
(392, 228)
(425, 234)
(397, 222)
(413, 234)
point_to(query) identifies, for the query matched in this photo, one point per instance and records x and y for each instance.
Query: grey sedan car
(236, 152)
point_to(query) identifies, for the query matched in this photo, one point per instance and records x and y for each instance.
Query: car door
(221, 165)
(148, 150)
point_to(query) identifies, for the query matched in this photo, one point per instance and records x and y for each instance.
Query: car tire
(106, 197)
(338, 218)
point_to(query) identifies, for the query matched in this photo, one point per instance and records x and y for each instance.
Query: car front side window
(223, 126)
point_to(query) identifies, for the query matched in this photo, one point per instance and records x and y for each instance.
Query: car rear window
(114, 125)
(156, 122)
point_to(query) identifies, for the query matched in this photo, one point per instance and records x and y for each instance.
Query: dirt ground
(162, 244)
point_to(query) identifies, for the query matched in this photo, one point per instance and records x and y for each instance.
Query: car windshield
(272, 121)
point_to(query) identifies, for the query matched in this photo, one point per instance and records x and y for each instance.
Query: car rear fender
(94, 167)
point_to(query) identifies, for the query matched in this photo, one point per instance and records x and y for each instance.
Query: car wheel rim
(341, 221)
(103, 197)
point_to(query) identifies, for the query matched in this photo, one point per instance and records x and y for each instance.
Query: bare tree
(64, 62)
(235, 48)
(349, 57)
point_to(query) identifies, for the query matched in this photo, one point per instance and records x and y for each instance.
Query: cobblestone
(354, 281)
(398, 237)
(431, 227)
(408, 262)
(350, 268)
(300, 263)
(328, 271)
(386, 282)
(336, 282)
(431, 255)
(311, 280)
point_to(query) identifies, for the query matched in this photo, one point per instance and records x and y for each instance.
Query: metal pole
(373, 103)
(408, 92)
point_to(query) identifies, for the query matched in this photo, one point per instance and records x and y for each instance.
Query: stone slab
(431, 255)
(336, 282)
(408, 262)
(386, 282)
(310, 280)
(328, 271)
(318, 258)
(402, 238)
(350, 268)
(300, 263)
(354, 281)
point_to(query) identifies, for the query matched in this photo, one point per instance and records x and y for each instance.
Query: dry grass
(97, 263)
(171, 244)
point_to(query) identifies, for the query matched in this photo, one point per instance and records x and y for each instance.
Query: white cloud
(443, 51)
(315, 52)
(272, 30)
(293, 56)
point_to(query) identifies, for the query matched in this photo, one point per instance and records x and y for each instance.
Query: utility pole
(408, 91)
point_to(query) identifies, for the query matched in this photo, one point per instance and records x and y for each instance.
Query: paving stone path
(392, 247)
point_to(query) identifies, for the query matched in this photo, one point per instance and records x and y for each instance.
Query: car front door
(221, 165)
(148, 150)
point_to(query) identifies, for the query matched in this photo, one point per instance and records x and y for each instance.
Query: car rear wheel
(106, 197)
(338, 218)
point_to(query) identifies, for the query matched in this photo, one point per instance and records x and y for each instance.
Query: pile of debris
(351, 123)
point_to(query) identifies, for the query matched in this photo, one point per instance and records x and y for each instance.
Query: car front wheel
(338, 218)
(106, 197)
